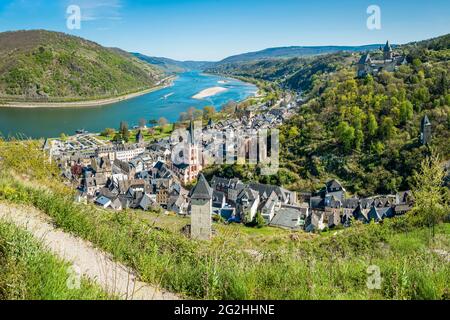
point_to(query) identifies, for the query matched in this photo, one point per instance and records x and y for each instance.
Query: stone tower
(139, 137)
(387, 52)
(201, 210)
(425, 131)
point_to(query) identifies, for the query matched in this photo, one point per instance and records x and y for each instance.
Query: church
(391, 61)
(188, 169)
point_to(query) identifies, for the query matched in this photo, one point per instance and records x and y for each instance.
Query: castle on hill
(391, 61)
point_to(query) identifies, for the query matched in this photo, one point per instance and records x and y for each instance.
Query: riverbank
(88, 103)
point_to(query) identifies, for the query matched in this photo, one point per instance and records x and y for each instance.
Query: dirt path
(96, 265)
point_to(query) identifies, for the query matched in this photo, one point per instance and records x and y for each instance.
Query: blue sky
(215, 29)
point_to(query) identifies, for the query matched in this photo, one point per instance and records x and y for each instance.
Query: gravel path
(113, 277)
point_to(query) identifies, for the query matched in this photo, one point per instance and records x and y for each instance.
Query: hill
(41, 65)
(365, 131)
(174, 66)
(294, 51)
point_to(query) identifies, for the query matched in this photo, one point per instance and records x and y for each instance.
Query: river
(168, 102)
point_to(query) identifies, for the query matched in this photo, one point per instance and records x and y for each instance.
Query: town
(159, 175)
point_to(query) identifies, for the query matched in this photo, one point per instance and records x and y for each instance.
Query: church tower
(139, 137)
(201, 210)
(425, 131)
(387, 52)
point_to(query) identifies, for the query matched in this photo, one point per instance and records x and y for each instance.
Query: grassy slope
(257, 265)
(29, 272)
(51, 66)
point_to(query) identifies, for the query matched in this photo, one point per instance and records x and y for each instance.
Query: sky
(215, 29)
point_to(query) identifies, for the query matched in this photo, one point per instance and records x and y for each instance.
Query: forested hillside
(51, 66)
(296, 73)
(363, 131)
(366, 131)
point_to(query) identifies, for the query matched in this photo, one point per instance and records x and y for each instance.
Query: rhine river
(168, 103)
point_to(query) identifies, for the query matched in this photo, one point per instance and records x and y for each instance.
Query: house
(314, 221)
(335, 189)
(284, 196)
(218, 201)
(230, 187)
(378, 214)
(270, 205)
(103, 202)
(290, 217)
(122, 167)
(247, 204)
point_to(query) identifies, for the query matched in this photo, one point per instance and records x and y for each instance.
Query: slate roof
(103, 201)
(268, 189)
(289, 217)
(426, 121)
(334, 185)
(365, 59)
(202, 191)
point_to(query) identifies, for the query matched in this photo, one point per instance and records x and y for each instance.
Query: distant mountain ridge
(295, 51)
(173, 66)
(40, 65)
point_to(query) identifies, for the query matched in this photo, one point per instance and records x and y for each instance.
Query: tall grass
(326, 267)
(29, 272)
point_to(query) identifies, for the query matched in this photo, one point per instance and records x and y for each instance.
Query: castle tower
(201, 210)
(425, 131)
(387, 52)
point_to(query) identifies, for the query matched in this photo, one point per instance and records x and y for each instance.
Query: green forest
(363, 131)
(50, 66)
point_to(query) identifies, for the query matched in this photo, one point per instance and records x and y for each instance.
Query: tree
(230, 107)
(359, 139)
(184, 117)
(293, 132)
(124, 131)
(190, 113)
(406, 111)
(208, 112)
(198, 114)
(162, 122)
(387, 128)
(152, 122)
(117, 138)
(259, 220)
(431, 204)
(346, 135)
(63, 137)
(142, 123)
(372, 125)
(108, 132)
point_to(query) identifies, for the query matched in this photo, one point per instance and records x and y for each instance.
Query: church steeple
(387, 51)
(191, 133)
